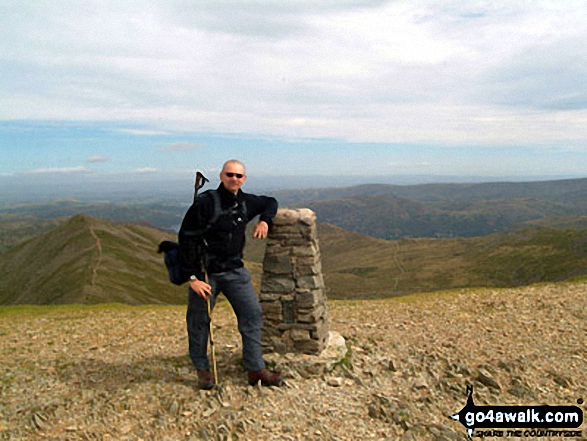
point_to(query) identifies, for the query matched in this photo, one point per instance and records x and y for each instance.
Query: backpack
(173, 262)
(172, 257)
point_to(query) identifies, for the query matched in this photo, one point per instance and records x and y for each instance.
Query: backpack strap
(217, 211)
(244, 210)
(217, 208)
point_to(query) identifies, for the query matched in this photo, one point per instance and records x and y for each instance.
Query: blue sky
(455, 88)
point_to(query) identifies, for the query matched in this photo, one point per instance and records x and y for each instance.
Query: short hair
(233, 161)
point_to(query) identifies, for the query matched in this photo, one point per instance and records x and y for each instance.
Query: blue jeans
(237, 288)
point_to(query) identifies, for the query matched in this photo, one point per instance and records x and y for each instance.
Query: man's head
(233, 175)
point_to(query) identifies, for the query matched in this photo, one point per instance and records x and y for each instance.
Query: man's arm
(266, 208)
(263, 206)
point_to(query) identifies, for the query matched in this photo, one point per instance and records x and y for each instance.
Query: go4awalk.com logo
(519, 421)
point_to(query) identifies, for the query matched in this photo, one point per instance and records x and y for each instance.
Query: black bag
(173, 262)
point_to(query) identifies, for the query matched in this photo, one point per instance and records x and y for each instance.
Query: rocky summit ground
(118, 372)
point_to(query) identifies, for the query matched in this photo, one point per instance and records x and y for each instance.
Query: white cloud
(140, 132)
(58, 170)
(184, 146)
(146, 170)
(364, 71)
(98, 158)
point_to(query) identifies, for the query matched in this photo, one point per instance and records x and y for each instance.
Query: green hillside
(88, 260)
(359, 266)
(15, 228)
(558, 222)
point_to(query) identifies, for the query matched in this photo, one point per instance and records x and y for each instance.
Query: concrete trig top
(290, 216)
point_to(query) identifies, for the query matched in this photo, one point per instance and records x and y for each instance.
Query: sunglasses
(232, 175)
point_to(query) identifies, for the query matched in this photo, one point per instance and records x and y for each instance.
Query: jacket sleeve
(190, 237)
(263, 206)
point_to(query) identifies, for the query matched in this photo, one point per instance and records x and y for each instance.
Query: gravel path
(122, 373)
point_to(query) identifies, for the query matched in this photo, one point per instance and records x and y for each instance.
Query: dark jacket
(223, 241)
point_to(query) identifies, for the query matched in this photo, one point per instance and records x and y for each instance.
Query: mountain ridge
(88, 260)
(551, 190)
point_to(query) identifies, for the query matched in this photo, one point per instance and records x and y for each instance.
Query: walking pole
(212, 348)
(200, 182)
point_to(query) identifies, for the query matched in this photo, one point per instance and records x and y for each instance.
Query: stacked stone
(292, 290)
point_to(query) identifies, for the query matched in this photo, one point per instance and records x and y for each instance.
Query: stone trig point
(292, 290)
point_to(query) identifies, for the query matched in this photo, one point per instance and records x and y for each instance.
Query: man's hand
(261, 230)
(201, 288)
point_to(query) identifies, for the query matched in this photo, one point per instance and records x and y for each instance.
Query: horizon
(484, 89)
(165, 188)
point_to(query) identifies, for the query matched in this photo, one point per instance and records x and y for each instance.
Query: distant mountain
(378, 210)
(392, 217)
(164, 215)
(88, 260)
(441, 210)
(567, 190)
(385, 216)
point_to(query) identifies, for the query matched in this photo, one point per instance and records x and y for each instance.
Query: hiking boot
(267, 378)
(205, 379)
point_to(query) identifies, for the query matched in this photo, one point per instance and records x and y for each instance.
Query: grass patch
(579, 279)
(346, 361)
(38, 310)
(359, 271)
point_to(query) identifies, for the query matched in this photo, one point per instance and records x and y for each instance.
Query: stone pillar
(292, 289)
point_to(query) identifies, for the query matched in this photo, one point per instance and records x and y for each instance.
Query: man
(224, 241)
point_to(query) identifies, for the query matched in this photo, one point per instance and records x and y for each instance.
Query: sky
(155, 89)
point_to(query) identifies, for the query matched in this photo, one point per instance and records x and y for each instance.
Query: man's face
(229, 176)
